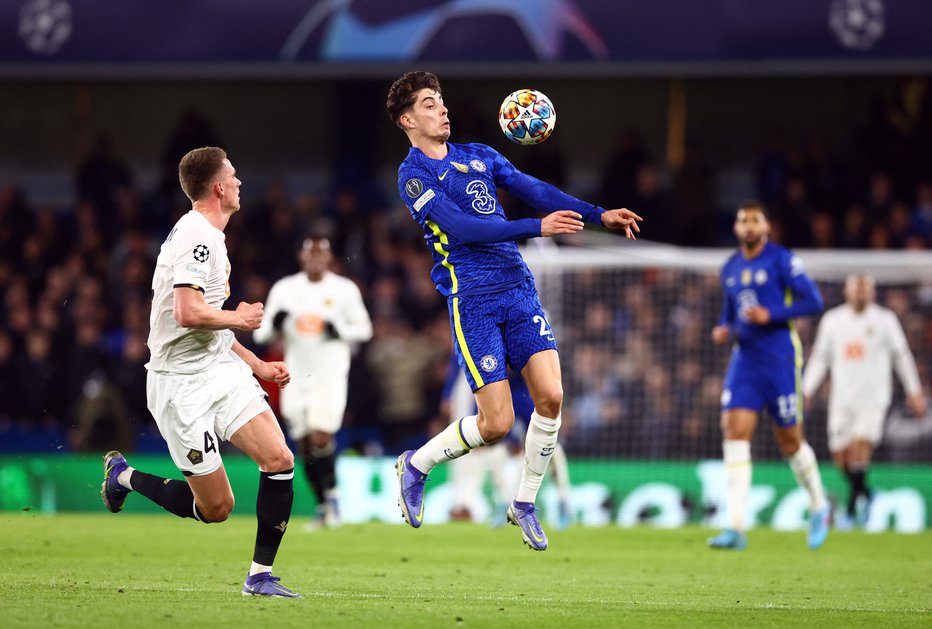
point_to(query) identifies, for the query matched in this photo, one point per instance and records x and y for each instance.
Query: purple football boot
(522, 515)
(112, 492)
(264, 584)
(411, 489)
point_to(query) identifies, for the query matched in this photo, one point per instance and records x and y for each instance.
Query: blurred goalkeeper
(860, 342)
(766, 287)
(496, 316)
(319, 314)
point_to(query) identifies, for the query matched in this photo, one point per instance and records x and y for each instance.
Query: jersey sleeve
(273, 305)
(194, 256)
(805, 298)
(432, 203)
(903, 360)
(540, 195)
(354, 324)
(820, 358)
(729, 311)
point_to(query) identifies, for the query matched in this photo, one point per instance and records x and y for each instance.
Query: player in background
(319, 315)
(860, 341)
(495, 314)
(200, 386)
(765, 287)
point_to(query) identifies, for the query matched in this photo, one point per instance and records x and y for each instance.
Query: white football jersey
(309, 353)
(860, 349)
(194, 255)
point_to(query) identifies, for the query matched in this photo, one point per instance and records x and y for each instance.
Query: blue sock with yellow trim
(453, 442)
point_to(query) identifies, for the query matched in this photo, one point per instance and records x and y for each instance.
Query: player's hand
(917, 405)
(622, 218)
(274, 371)
(251, 314)
(721, 334)
(561, 222)
(757, 315)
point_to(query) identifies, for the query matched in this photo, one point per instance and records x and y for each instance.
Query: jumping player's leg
(541, 372)
(492, 422)
(543, 378)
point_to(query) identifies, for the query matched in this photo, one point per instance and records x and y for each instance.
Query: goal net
(642, 378)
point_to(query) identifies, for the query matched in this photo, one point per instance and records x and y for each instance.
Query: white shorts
(314, 405)
(846, 426)
(195, 412)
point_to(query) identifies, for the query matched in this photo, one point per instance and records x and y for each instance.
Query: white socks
(806, 470)
(124, 476)
(453, 442)
(538, 448)
(258, 568)
(738, 480)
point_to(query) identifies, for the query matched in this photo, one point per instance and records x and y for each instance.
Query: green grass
(124, 571)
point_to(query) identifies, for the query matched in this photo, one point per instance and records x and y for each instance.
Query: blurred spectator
(101, 176)
(400, 363)
(619, 176)
(694, 216)
(920, 220)
(102, 419)
(854, 228)
(822, 231)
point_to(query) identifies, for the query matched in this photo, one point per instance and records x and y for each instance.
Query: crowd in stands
(75, 291)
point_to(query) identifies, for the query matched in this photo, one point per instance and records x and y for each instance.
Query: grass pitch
(127, 571)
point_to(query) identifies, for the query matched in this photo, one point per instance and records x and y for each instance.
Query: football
(527, 117)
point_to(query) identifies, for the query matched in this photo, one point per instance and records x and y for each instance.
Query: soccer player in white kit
(200, 386)
(859, 341)
(320, 315)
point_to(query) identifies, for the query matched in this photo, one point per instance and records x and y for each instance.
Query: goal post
(641, 376)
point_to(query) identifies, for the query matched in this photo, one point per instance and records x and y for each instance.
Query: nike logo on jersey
(444, 174)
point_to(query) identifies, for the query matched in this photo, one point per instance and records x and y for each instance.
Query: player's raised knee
(494, 428)
(550, 402)
(278, 461)
(216, 509)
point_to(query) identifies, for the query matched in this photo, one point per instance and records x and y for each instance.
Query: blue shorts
(499, 329)
(753, 384)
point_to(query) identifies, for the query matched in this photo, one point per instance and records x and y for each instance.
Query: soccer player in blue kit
(496, 316)
(766, 287)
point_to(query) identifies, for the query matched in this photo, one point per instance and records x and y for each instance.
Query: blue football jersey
(468, 176)
(776, 280)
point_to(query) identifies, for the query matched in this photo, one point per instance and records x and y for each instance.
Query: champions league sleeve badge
(201, 253)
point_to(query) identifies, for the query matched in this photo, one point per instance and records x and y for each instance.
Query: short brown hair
(197, 170)
(404, 91)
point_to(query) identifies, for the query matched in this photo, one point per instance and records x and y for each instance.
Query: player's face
(751, 227)
(859, 291)
(229, 186)
(315, 256)
(429, 116)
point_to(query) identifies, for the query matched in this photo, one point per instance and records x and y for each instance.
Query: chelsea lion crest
(488, 363)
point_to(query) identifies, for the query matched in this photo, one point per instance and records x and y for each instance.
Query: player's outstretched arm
(561, 222)
(622, 218)
(473, 231)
